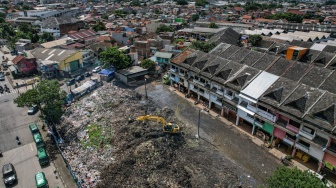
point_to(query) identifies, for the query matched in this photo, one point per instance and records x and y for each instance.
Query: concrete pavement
(26, 165)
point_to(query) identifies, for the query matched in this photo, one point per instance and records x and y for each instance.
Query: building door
(74, 65)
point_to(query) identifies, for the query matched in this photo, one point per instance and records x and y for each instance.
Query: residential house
(23, 44)
(163, 58)
(57, 62)
(24, 65)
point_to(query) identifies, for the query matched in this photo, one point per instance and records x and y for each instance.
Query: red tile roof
(17, 59)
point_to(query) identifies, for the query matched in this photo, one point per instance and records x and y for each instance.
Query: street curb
(59, 175)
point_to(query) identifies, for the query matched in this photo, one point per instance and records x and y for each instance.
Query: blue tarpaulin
(107, 72)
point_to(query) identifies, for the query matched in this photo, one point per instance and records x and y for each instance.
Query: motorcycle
(17, 140)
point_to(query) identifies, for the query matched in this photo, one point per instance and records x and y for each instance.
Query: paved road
(13, 122)
(26, 164)
(254, 160)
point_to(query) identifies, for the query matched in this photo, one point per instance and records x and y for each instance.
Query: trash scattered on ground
(105, 147)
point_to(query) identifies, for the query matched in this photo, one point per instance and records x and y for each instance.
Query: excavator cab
(171, 128)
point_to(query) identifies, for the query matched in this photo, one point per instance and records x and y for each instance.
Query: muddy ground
(106, 148)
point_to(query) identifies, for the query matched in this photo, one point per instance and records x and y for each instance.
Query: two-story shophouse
(291, 103)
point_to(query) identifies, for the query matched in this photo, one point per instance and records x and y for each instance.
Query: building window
(250, 116)
(229, 93)
(262, 108)
(182, 71)
(195, 87)
(202, 80)
(201, 90)
(308, 130)
(196, 78)
(294, 123)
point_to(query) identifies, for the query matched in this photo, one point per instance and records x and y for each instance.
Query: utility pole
(146, 88)
(199, 122)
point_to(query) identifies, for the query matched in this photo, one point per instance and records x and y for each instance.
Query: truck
(80, 91)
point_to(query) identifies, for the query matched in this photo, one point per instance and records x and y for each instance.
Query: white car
(97, 69)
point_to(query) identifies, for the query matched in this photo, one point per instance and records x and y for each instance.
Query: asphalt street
(26, 165)
(14, 122)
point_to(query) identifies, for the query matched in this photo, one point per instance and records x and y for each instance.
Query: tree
(99, 26)
(330, 2)
(112, 56)
(48, 97)
(26, 7)
(105, 16)
(203, 46)
(213, 25)
(164, 28)
(195, 17)
(287, 178)
(201, 3)
(182, 2)
(148, 64)
(255, 39)
(46, 37)
(135, 3)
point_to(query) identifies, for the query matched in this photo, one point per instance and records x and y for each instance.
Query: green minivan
(33, 128)
(41, 181)
(38, 140)
(42, 156)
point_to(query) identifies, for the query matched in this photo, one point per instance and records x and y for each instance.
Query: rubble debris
(106, 149)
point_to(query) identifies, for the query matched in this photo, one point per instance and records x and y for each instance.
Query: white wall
(243, 115)
(56, 33)
(316, 152)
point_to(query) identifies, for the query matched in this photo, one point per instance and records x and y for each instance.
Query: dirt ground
(106, 147)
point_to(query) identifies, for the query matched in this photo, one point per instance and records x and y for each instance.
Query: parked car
(2, 76)
(79, 78)
(71, 82)
(41, 180)
(9, 174)
(97, 69)
(87, 74)
(32, 110)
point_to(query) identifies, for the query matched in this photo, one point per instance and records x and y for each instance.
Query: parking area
(26, 165)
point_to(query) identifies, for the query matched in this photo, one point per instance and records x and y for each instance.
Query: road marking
(31, 147)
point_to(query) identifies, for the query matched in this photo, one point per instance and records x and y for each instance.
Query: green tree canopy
(46, 37)
(255, 39)
(49, 98)
(203, 46)
(164, 28)
(201, 3)
(331, 2)
(182, 2)
(288, 16)
(195, 17)
(135, 3)
(148, 64)
(113, 57)
(99, 26)
(287, 178)
(213, 25)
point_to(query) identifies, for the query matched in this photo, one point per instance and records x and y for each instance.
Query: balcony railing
(182, 74)
(292, 128)
(252, 108)
(289, 141)
(198, 82)
(172, 70)
(266, 115)
(220, 92)
(259, 124)
(302, 147)
(230, 97)
(306, 134)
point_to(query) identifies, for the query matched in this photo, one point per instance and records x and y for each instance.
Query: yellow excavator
(166, 127)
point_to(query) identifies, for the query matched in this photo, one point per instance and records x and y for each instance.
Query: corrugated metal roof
(318, 47)
(163, 54)
(259, 85)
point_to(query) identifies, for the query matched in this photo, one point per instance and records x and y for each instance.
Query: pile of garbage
(106, 147)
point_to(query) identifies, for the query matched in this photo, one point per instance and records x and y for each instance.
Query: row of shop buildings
(286, 102)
